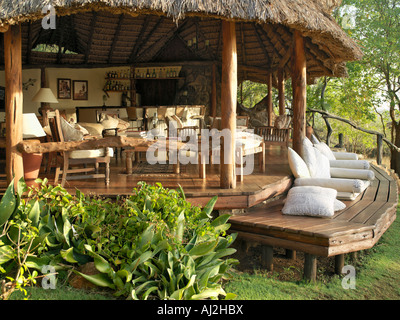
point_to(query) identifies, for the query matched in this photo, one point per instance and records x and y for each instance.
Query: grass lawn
(377, 278)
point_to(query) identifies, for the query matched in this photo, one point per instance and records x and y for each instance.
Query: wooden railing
(380, 138)
(274, 136)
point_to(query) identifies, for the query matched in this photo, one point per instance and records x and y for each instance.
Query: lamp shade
(45, 95)
(31, 127)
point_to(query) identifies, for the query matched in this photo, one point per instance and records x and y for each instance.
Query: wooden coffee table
(129, 152)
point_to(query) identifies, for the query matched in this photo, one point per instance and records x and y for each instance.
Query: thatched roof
(134, 31)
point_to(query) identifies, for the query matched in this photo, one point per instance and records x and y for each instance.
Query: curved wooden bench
(357, 227)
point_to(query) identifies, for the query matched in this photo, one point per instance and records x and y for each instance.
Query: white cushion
(324, 148)
(345, 155)
(312, 201)
(347, 196)
(94, 129)
(350, 164)
(110, 122)
(82, 154)
(352, 174)
(314, 139)
(340, 185)
(297, 165)
(69, 132)
(77, 126)
(309, 157)
(323, 166)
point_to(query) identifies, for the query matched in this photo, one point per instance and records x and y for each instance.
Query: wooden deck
(357, 227)
(253, 190)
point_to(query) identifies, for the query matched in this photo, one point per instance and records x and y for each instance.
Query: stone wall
(195, 88)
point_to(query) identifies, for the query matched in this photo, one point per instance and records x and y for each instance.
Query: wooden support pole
(310, 267)
(269, 100)
(228, 104)
(281, 92)
(290, 254)
(339, 263)
(14, 102)
(379, 151)
(214, 91)
(299, 83)
(267, 258)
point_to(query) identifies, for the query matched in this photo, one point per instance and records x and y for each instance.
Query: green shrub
(151, 245)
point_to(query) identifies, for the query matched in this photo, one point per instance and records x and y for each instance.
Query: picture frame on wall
(63, 88)
(80, 89)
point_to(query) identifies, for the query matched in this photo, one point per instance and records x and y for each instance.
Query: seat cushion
(69, 132)
(94, 129)
(95, 153)
(324, 148)
(312, 201)
(297, 165)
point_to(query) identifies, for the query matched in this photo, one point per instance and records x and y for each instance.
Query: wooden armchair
(77, 158)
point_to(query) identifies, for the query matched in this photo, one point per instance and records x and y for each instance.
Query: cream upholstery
(312, 201)
(79, 154)
(348, 183)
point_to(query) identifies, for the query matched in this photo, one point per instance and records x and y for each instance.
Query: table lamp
(44, 96)
(31, 129)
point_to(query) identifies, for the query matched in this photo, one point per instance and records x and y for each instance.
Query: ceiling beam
(138, 41)
(164, 38)
(90, 40)
(261, 43)
(116, 36)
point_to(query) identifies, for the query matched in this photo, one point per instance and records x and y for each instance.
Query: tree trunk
(395, 155)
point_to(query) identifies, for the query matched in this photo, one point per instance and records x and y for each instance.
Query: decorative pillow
(94, 129)
(122, 124)
(69, 132)
(323, 167)
(110, 122)
(324, 148)
(281, 121)
(338, 205)
(81, 129)
(314, 139)
(297, 165)
(311, 201)
(309, 157)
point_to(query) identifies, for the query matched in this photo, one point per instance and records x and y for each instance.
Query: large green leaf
(34, 213)
(208, 208)
(221, 220)
(6, 254)
(68, 255)
(100, 263)
(203, 248)
(180, 226)
(209, 293)
(8, 204)
(100, 279)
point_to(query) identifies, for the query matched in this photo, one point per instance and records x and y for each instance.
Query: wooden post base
(268, 257)
(310, 267)
(339, 263)
(290, 254)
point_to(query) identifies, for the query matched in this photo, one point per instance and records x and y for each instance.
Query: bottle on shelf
(153, 75)
(148, 74)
